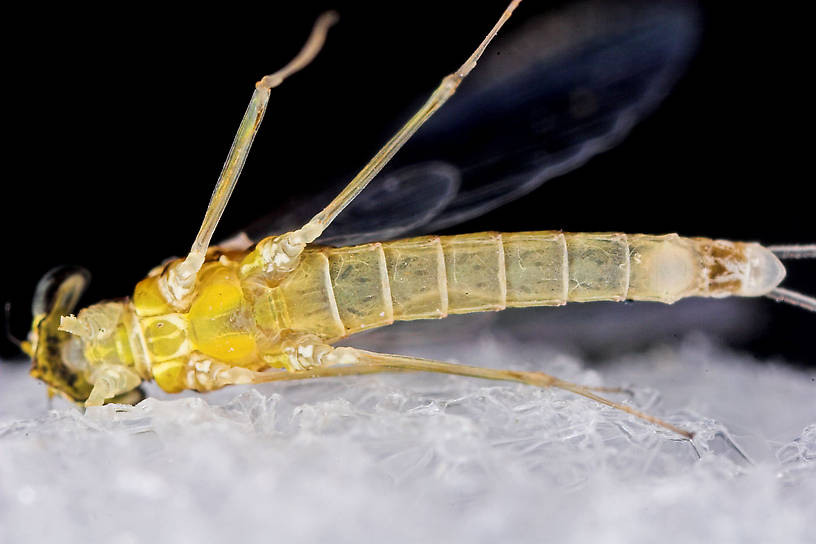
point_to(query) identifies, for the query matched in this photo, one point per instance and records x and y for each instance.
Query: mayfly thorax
(270, 308)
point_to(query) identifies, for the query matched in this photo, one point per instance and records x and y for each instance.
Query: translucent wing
(577, 82)
(399, 201)
(559, 90)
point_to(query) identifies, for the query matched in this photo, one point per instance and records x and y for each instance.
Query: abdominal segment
(336, 292)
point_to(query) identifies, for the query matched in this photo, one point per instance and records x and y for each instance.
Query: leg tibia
(537, 379)
(180, 279)
(312, 360)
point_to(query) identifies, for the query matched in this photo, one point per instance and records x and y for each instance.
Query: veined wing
(398, 201)
(561, 89)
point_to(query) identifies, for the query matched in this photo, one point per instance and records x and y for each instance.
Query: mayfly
(270, 308)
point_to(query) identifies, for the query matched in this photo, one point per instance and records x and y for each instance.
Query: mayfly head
(72, 354)
(56, 295)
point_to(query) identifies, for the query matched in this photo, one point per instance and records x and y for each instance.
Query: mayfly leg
(537, 379)
(346, 361)
(440, 95)
(180, 279)
(279, 255)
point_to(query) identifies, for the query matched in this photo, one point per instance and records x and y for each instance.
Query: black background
(121, 121)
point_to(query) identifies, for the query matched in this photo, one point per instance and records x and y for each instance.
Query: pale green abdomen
(339, 291)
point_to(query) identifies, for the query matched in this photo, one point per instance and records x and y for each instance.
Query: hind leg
(322, 361)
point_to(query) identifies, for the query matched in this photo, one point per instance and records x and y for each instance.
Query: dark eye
(60, 289)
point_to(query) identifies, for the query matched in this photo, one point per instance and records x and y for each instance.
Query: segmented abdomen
(339, 291)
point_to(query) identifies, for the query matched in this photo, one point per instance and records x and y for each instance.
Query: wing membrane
(400, 201)
(578, 82)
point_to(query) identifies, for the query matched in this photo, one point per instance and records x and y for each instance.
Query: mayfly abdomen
(336, 292)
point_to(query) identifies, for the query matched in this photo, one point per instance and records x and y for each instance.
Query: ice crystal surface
(426, 458)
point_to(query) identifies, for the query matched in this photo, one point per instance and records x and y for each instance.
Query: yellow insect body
(336, 292)
(272, 311)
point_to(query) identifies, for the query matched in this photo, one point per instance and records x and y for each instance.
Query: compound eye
(59, 290)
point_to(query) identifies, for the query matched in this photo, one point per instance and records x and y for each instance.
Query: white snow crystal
(425, 458)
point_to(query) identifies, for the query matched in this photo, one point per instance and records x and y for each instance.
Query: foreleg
(178, 281)
(110, 381)
(274, 257)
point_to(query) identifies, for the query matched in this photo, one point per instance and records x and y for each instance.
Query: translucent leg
(276, 256)
(346, 361)
(179, 280)
(110, 381)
